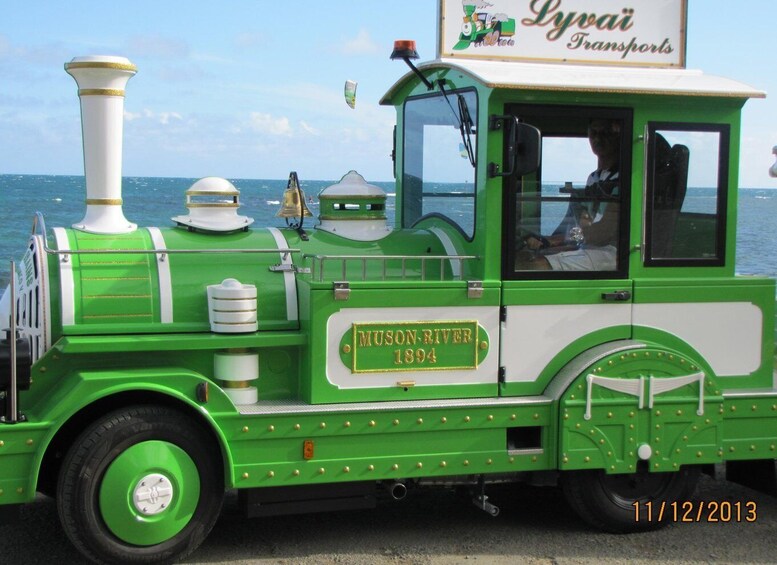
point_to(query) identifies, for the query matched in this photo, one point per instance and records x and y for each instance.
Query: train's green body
(432, 351)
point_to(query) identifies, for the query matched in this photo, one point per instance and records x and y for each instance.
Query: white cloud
(360, 45)
(165, 117)
(270, 124)
(308, 128)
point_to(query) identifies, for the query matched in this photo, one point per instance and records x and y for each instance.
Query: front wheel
(622, 503)
(140, 485)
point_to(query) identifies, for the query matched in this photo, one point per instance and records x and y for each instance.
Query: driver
(597, 223)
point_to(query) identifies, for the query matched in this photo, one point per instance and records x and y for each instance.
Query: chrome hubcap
(153, 494)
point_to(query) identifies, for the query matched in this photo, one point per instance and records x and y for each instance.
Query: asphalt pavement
(535, 526)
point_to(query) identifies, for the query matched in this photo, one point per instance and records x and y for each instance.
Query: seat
(670, 183)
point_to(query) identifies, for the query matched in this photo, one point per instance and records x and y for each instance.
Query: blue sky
(253, 89)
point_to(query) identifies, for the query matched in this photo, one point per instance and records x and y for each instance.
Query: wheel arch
(625, 367)
(658, 338)
(567, 375)
(72, 426)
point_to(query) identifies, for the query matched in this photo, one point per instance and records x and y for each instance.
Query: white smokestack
(101, 81)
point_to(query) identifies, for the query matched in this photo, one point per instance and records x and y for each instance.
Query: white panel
(66, 284)
(727, 334)
(45, 286)
(340, 323)
(288, 276)
(533, 335)
(165, 281)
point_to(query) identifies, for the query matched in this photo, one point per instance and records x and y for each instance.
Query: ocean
(152, 201)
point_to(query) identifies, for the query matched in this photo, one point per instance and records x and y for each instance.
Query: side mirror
(523, 147)
(527, 148)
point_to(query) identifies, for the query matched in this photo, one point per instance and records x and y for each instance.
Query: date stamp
(696, 511)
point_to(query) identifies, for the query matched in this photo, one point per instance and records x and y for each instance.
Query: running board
(306, 499)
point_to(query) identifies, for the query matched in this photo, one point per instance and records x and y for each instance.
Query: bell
(293, 200)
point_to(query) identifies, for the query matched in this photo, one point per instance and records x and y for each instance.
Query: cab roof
(584, 78)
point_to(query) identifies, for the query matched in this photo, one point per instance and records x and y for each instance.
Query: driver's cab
(600, 202)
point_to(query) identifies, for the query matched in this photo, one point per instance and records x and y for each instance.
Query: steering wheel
(523, 236)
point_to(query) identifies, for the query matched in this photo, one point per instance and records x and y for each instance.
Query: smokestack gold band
(104, 201)
(100, 92)
(100, 65)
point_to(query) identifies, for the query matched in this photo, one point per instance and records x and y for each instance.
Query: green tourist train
(514, 323)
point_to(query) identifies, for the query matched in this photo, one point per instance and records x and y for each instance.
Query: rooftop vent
(212, 203)
(354, 209)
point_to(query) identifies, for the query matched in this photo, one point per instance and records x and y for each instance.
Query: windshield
(439, 154)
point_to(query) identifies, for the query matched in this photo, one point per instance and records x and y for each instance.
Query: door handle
(617, 296)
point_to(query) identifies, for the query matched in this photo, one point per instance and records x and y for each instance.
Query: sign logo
(414, 346)
(482, 27)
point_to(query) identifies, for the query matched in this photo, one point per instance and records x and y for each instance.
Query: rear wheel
(140, 485)
(609, 502)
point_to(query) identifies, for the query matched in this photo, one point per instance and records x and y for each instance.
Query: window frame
(474, 114)
(652, 128)
(531, 113)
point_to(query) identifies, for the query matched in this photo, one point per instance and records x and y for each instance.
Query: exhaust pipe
(101, 81)
(397, 490)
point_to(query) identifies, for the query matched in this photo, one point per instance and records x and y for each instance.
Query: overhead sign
(611, 32)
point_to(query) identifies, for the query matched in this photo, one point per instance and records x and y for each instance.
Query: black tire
(607, 502)
(104, 510)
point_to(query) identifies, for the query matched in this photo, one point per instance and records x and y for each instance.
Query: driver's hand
(533, 243)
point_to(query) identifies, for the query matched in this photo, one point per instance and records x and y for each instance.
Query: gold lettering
(399, 337)
(467, 335)
(457, 335)
(410, 337)
(377, 337)
(427, 336)
(364, 339)
(390, 337)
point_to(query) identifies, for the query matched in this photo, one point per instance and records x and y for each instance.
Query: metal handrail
(317, 259)
(38, 222)
(12, 412)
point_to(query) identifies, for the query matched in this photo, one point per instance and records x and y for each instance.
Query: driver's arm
(553, 241)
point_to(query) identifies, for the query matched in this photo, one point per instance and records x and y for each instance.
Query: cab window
(439, 151)
(687, 183)
(569, 217)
